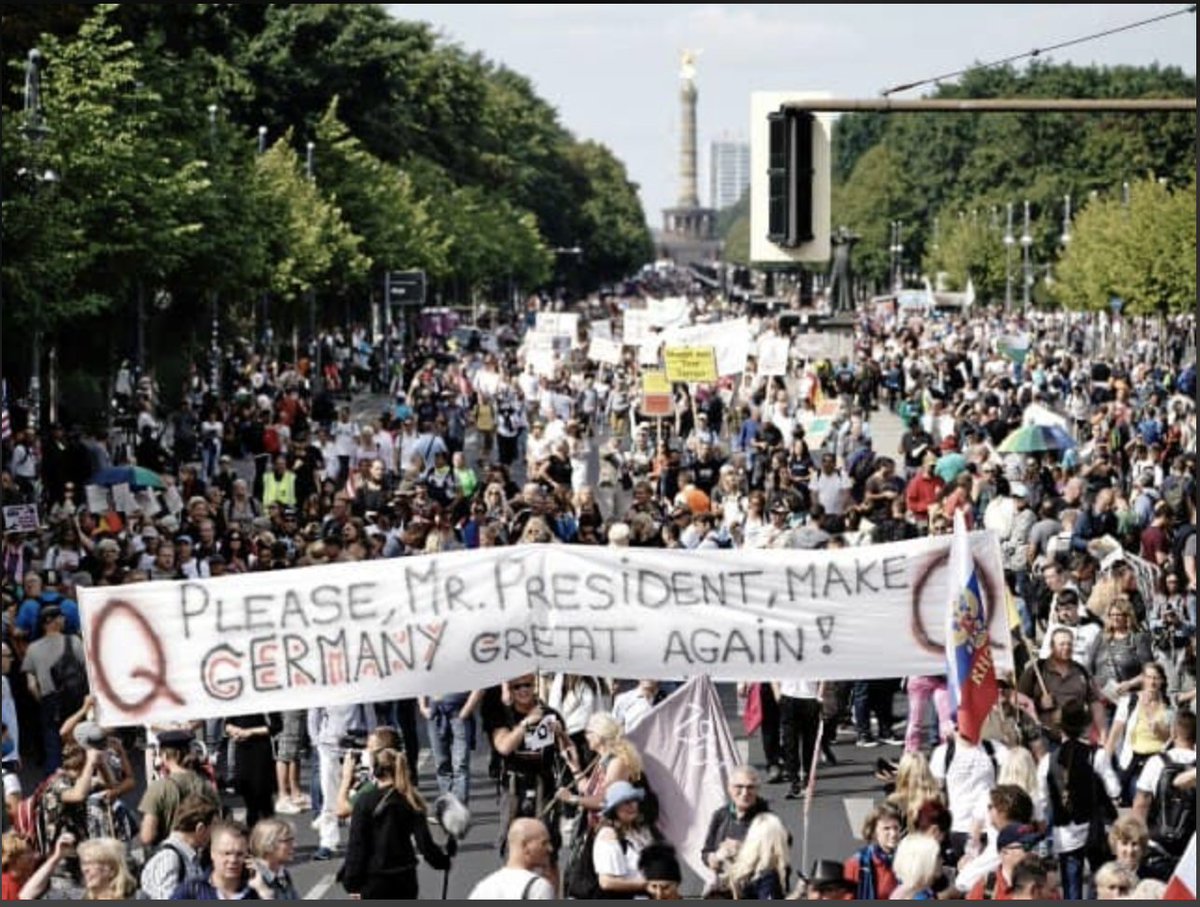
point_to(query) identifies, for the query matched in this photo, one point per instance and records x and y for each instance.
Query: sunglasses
(522, 686)
(745, 787)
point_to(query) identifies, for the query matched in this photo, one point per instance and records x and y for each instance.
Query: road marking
(857, 810)
(318, 891)
(743, 748)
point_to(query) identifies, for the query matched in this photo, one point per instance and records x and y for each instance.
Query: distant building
(729, 172)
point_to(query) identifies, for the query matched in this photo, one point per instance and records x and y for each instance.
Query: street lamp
(35, 128)
(265, 325)
(1009, 242)
(215, 352)
(311, 293)
(897, 251)
(1027, 258)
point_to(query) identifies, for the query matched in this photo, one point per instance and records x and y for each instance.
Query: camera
(353, 742)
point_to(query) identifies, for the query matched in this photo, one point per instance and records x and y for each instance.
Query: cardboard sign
(656, 383)
(690, 363)
(21, 518)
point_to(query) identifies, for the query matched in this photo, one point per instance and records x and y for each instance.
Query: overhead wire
(1037, 51)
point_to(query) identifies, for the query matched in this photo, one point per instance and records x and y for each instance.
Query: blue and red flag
(970, 671)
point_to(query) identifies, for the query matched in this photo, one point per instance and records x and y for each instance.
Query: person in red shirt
(870, 869)
(17, 864)
(1156, 538)
(924, 489)
(1014, 842)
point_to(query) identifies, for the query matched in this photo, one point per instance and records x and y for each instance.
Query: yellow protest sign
(656, 383)
(690, 363)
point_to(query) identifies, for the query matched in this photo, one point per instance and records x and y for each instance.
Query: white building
(729, 176)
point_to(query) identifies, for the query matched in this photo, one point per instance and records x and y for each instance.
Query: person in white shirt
(831, 487)
(521, 878)
(968, 771)
(1067, 614)
(629, 707)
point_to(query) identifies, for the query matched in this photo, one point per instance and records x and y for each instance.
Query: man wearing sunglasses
(531, 740)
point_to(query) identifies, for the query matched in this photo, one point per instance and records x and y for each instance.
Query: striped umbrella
(1036, 438)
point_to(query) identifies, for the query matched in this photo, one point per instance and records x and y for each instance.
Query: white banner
(601, 329)
(673, 311)
(389, 629)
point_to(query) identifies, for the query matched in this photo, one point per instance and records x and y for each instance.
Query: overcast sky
(612, 71)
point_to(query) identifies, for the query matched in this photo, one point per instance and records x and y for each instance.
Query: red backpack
(29, 820)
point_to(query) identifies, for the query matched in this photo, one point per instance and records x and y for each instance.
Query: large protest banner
(730, 339)
(387, 629)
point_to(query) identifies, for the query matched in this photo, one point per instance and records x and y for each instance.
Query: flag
(5, 424)
(1182, 886)
(687, 753)
(970, 672)
(1015, 347)
(753, 716)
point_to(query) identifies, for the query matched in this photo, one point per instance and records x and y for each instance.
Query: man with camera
(329, 728)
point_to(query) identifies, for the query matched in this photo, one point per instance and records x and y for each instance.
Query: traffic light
(790, 177)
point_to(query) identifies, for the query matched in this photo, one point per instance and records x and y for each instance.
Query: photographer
(357, 765)
(531, 739)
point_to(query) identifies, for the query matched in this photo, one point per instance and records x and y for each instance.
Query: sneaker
(795, 792)
(774, 774)
(891, 740)
(323, 853)
(866, 741)
(303, 802)
(286, 807)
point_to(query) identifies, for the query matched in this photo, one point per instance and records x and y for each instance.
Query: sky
(612, 71)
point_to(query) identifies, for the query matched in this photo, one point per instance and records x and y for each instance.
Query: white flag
(687, 751)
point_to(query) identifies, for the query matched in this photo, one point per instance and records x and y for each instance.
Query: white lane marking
(319, 890)
(857, 810)
(743, 748)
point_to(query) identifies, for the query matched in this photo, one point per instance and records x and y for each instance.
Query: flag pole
(810, 791)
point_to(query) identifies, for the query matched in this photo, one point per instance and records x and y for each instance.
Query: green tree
(1144, 254)
(970, 249)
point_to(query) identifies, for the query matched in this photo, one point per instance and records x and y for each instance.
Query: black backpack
(988, 747)
(1173, 815)
(70, 679)
(582, 882)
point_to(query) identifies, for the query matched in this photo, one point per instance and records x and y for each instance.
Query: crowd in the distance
(476, 448)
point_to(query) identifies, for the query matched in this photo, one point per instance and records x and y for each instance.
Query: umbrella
(1034, 438)
(134, 476)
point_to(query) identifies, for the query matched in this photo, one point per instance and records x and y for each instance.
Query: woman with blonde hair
(616, 760)
(272, 848)
(761, 871)
(918, 865)
(106, 876)
(1117, 659)
(1114, 882)
(1020, 770)
(1140, 729)
(915, 785)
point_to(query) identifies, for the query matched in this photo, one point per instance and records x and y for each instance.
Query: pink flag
(688, 752)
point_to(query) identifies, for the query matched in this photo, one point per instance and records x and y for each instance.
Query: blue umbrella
(1036, 438)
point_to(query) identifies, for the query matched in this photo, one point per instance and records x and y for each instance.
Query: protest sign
(21, 518)
(648, 351)
(670, 312)
(601, 349)
(123, 499)
(636, 327)
(390, 629)
(561, 324)
(772, 355)
(97, 498)
(729, 339)
(690, 363)
(601, 329)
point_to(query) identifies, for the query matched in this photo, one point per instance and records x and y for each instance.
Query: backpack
(581, 881)
(1174, 494)
(70, 679)
(1173, 815)
(988, 747)
(29, 819)
(271, 443)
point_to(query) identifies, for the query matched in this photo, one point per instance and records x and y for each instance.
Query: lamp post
(309, 148)
(215, 351)
(264, 328)
(897, 251)
(1027, 259)
(1009, 242)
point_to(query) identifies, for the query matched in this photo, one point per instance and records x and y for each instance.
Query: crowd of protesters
(477, 449)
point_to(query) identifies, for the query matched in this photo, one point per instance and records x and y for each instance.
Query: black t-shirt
(538, 751)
